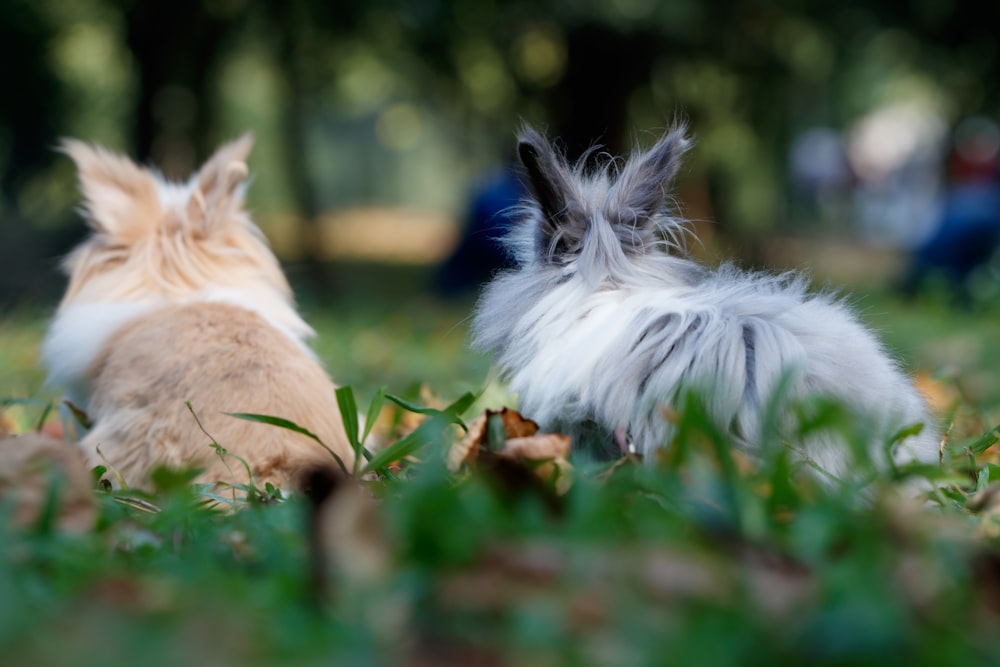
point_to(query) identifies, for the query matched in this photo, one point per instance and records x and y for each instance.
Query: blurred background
(856, 139)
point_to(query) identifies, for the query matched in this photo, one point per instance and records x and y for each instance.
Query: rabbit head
(153, 241)
(600, 220)
(155, 244)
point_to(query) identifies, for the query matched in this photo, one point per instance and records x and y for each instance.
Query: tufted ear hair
(546, 172)
(120, 197)
(217, 190)
(642, 185)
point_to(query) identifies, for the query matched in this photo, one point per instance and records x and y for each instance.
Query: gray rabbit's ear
(546, 176)
(643, 182)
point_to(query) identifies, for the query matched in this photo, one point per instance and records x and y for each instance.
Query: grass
(21, 330)
(701, 559)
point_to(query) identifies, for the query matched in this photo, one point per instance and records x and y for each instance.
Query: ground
(702, 558)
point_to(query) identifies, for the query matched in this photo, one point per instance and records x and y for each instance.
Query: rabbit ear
(546, 174)
(217, 192)
(643, 181)
(120, 197)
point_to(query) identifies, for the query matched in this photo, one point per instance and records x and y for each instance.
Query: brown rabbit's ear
(642, 184)
(120, 197)
(217, 190)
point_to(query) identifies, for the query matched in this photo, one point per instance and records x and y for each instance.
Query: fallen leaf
(537, 447)
(544, 455)
(512, 426)
(32, 468)
(515, 425)
(465, 451)
(940, 395)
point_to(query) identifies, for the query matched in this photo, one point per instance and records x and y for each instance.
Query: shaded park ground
(701, 559)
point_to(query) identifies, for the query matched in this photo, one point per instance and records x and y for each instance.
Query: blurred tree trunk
(292, 22)
(590, 104)
(33, 112)
(301, 29)
(176, 46)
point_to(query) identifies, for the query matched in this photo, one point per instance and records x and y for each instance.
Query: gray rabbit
(605, 321)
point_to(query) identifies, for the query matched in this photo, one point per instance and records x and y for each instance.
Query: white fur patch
(173, 195)
(77, 335)
(79, 331)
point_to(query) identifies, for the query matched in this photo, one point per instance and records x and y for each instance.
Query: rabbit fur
(176, 297)
(606, 321)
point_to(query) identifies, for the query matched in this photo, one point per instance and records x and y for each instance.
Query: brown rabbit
(175, 297)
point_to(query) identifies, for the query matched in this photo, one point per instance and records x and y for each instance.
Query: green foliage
(704, 556)
(45, 407)
(281, 422)
(701, 557)
(430, 431)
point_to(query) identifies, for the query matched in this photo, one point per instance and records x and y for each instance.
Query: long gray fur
(605, 320)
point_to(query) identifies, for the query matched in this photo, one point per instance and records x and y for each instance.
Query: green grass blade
(349, 414)
(983, 479)
(280, 422)
(348, 406)
(45, 415)
(289, 425)
(411, 407)
(428, 432)
(398, 450)
(453, 410)
(374, 409)
(28, 402)
(984, 442)
(458, 408)
(45, 405)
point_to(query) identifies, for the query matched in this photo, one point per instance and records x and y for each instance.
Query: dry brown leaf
(465, 451)
(538, 447)
(940, 395)
(671, 414)
(509, 574)
(522, 443)
(30, 464)
(514, 424)
(745, 464)
(552, 450)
